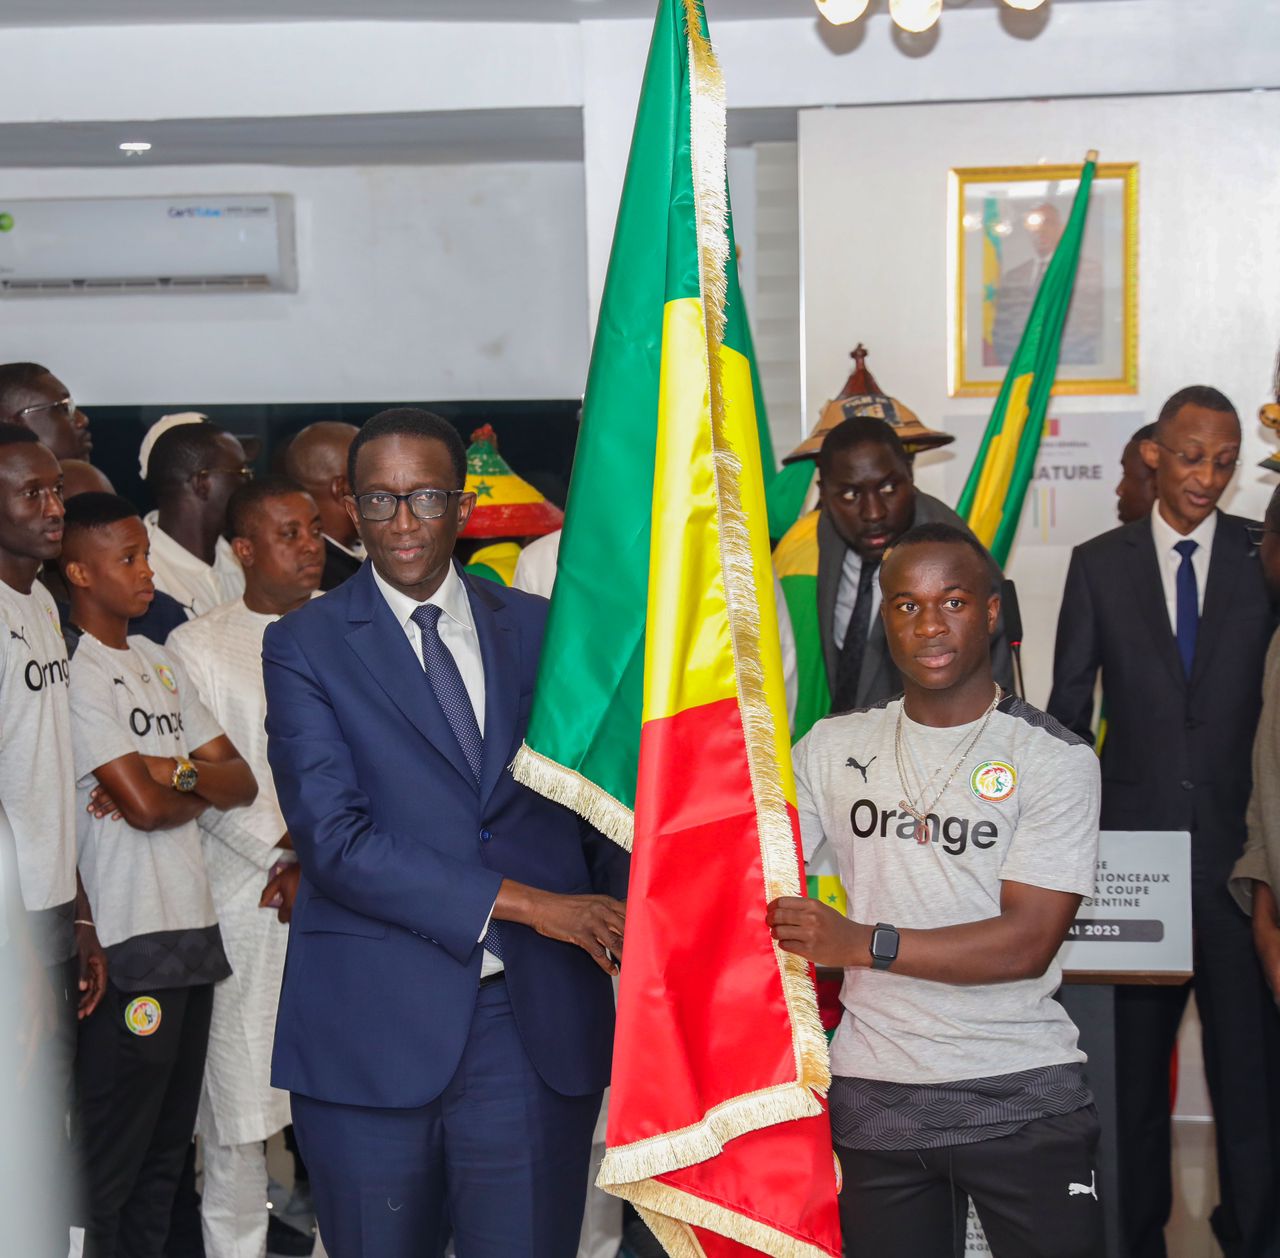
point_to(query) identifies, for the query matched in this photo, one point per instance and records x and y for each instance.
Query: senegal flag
(659, 712)
(997, 485)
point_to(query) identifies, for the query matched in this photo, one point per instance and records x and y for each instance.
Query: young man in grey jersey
(37, 785)
(149, 760)
(964, 823)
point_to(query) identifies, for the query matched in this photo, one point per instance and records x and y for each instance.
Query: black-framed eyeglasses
(66, 407)
(426, 504)
(1256, 532)
(1199, 460)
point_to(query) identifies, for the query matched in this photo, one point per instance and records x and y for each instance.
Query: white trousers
(233, 1211)
(602, 1222)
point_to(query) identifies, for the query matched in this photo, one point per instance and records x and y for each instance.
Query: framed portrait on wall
(1005, 224)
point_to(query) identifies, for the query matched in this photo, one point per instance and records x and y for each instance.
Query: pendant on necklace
(923, 830)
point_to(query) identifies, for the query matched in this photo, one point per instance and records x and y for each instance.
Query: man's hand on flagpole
(818, 933)
(594, 923)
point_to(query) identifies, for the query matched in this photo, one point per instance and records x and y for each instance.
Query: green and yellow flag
(997, 485)
(991, 253)
(660, 712)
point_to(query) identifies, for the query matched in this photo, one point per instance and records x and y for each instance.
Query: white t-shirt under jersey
(37, 782)
(1023, 807)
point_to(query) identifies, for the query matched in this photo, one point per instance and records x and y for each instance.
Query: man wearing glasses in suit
(1173, 610)
(446, 1018)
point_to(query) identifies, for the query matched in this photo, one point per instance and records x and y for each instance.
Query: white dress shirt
(198, 586)
(847, 596)
(1166, 537)
(458, 633)
(355, 550)
(536, 567)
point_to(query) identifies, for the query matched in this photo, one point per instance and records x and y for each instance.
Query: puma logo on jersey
(118, 681)
(20, 635)
(851, 763)
(1085, 1190)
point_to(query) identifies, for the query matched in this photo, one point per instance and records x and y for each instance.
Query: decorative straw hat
(862, 395)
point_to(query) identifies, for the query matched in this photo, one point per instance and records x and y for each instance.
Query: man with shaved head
(192, 469)
(79, 477)
(317, 460)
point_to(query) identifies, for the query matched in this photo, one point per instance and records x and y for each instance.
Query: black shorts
(1035, 1192)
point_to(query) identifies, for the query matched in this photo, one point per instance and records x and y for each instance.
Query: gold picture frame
(1004, 221)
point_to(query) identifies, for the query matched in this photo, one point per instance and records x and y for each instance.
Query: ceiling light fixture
(842, 12)
(134, 147)
(915, 15)
(911, 15)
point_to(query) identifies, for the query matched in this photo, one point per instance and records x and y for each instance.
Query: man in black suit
(317, 460)
(1174, 612)
(867, 500)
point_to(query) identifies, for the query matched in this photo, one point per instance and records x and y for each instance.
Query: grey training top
(1022, 807)
(149, 891)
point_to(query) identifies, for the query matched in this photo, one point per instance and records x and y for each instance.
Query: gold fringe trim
(777, 841)
(675, 1237)
(672, 1214)
(629, 1164)
(631, 1170)
(566, 786)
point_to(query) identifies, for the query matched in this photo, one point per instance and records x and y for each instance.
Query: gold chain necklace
(923, 830)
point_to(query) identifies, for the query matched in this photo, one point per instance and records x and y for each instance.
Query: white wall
(414, 282)
(775, 309)
(875, 263)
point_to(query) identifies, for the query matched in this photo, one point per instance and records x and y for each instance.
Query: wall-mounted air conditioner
(148, 245)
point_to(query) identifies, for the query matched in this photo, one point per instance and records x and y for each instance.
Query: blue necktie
(1188, 605)
(455, 703)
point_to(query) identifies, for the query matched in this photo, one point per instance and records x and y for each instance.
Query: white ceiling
(89, 12)
(459, 136)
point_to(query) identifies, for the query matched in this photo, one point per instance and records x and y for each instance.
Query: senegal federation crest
(167, 679)
(142, 1016)
(993, 781)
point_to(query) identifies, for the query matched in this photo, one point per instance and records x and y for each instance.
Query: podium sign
(1136, 928)
(1137, 925)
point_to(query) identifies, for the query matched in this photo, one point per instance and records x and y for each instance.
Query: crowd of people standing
(446, 1003)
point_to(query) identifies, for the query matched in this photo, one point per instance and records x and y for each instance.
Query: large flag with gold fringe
(1001, 474)
(660, 715)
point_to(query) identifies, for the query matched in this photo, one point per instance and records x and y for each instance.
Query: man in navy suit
(446, 1019)
(1173, 610)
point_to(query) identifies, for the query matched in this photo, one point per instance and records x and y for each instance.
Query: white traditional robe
(222, 653)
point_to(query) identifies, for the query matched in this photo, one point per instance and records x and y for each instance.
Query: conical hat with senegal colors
(862, 395)
(506, 505)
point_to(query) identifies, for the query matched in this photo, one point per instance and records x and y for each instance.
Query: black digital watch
(884, 946)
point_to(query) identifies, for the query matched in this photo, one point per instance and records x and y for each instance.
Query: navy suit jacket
(1178, 751)
(402, 856)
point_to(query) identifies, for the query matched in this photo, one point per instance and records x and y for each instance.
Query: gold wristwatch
(185, 775)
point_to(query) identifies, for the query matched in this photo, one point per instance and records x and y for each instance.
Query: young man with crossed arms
(965, 826)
